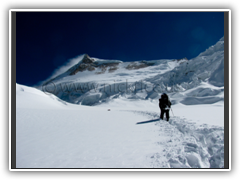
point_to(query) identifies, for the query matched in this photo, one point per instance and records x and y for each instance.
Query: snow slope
(55, 134)
(120, 126)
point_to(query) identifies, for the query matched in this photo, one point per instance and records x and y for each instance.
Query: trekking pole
(172, 111)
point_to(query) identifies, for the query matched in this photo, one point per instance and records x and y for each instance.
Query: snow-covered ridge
(94, 81)
(28, 97)
(219, 46)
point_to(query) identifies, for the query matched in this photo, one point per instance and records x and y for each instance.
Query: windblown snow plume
(66, 66)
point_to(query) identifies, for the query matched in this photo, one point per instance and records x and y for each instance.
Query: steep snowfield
(55, 134)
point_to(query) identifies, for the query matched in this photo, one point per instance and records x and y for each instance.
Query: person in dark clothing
(164, 105)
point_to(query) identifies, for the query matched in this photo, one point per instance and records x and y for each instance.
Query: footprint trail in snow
(185, 144)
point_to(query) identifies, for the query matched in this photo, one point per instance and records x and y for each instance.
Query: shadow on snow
(150, 121)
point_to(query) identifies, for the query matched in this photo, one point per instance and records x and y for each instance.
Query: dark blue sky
(46, 40)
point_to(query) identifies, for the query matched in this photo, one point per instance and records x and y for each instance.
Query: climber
(164, 105)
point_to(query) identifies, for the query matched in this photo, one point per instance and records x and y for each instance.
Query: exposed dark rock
(112, 69)
(91, 68)
(90, 64)
(87, 60)
(85, 64)
(81, 67)
(136, 66)
(103, 69)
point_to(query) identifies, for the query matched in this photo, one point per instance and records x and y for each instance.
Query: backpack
(164, 100)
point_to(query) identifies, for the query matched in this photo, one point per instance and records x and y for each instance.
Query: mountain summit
(85, 64)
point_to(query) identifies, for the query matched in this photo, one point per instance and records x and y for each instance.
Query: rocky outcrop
(85, 64)
(87, 60)
(112, 67)
(138, 65)
(89, 64)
